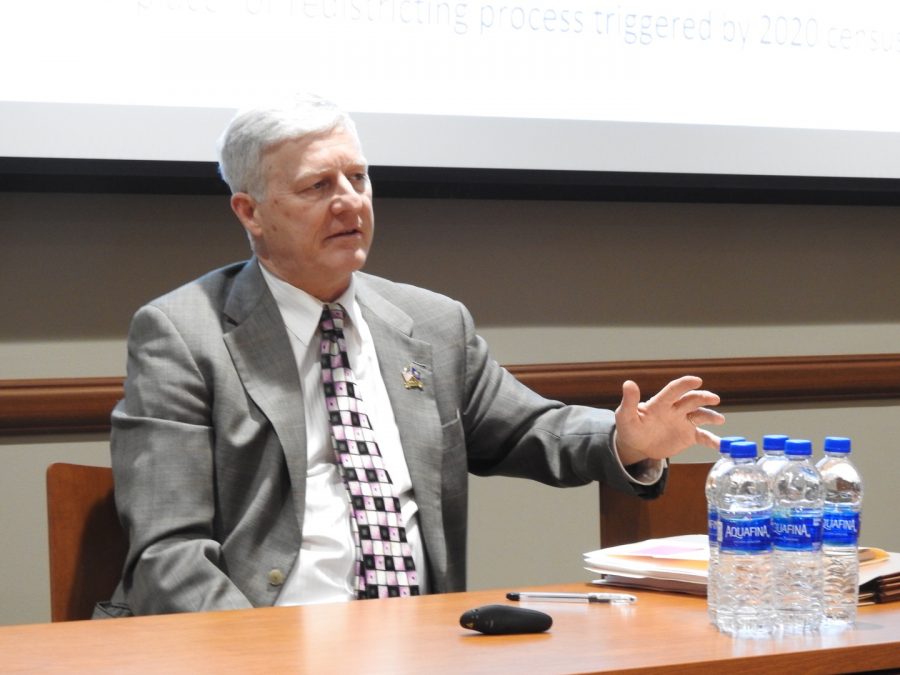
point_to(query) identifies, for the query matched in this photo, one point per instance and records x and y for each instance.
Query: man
(245, 422)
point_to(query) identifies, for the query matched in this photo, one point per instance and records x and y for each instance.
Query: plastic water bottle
(712, 571)
(773, 459)
(840, 535)
(744, 505)
(798, 499)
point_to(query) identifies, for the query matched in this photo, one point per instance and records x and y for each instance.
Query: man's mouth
(345, 233)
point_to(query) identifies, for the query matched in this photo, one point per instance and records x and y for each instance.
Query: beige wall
(546, 281)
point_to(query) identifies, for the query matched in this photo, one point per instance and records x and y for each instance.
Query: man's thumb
(631, 396)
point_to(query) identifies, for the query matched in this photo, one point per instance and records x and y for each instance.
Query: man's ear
(244, 207)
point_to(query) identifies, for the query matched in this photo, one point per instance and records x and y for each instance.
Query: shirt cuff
(646, 472)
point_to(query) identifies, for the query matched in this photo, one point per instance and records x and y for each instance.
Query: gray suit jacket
(209, 443)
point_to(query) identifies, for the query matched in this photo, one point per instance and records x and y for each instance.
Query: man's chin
(356, 260)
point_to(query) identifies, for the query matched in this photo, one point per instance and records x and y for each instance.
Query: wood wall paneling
(51, 406)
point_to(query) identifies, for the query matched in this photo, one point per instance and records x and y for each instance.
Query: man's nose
(346, 196)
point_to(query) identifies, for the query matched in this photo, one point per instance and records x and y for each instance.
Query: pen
(612, 598)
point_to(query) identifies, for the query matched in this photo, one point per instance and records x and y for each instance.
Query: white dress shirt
(325, 568)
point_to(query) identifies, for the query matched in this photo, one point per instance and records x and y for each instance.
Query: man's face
(314, 226)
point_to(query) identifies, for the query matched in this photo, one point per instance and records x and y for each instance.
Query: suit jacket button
(276, 577)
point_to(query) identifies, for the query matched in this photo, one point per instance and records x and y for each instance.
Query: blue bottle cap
(726, 441)
(798, 446)
(837, 444)
(742, 449)
(774, 442)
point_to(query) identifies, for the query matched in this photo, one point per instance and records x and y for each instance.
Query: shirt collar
(301, 311)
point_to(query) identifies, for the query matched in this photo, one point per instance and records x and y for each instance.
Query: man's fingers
(702, 416)
(676, 389)
(708, 439)
(697, 399)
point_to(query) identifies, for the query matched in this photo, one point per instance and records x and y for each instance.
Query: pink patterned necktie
(384, 562)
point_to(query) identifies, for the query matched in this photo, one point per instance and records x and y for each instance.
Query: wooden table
(661, 633)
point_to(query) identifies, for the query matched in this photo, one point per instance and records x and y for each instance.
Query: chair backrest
(680, 510)
(87, 542)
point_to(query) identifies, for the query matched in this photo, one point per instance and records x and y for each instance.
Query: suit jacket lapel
(415, 410)
(262, 354)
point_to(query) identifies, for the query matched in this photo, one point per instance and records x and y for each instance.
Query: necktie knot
(332, 320)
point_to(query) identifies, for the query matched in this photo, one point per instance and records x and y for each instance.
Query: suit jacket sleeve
(512, 431)
(162, 457)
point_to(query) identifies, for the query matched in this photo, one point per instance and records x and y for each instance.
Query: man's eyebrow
(316, 173)
(307, 175)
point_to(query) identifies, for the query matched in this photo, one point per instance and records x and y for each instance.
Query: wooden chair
(680, 510)
(87, 542)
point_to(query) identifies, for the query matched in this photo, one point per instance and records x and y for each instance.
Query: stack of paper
(669, 564)
(679, 564)
(879, 576)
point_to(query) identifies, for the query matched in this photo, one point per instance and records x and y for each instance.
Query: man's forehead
(306, 149)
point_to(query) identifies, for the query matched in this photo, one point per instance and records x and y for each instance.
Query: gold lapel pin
(412, 379)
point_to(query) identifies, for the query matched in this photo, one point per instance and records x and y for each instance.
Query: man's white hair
(251, 132)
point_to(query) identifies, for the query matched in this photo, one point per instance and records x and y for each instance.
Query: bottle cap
(837, 444)
(798, 446)
(742, 449)
(726, 441)
(774, 442)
